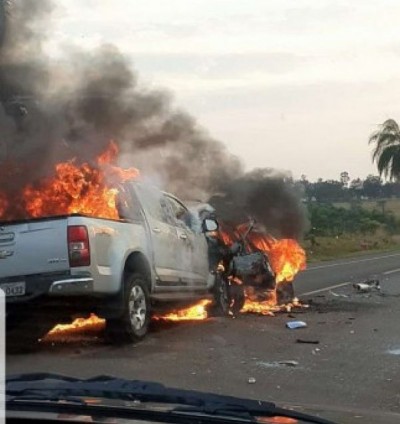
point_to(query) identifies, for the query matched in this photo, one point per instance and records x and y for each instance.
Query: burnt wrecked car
(238, 265)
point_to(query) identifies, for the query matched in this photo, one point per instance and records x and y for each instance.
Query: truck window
(181, 214)
(127, 206)
(155, 205)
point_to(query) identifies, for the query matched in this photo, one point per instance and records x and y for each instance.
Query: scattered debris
(278, 364)
(293, 325)
(367, 286)
(289, 363)
(393, 351)
(307, 341)
(251, 380)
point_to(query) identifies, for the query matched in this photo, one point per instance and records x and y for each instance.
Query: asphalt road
(318, 277)
(354, 364)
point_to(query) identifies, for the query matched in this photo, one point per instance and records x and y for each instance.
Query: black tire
(238, 298)
(134, 322)
(222, 296)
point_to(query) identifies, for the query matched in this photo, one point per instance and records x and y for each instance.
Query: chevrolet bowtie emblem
(4, 254)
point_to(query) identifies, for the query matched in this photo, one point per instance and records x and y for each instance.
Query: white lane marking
(336, 286)
(391, 271)
(352, 262)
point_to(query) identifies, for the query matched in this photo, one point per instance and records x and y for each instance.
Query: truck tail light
(78, 246)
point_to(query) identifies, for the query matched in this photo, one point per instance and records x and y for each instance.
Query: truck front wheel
(133, 324)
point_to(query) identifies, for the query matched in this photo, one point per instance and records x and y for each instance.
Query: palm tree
(386, 152)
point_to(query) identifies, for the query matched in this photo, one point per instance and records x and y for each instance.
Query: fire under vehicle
(242, 266)
(57, 267)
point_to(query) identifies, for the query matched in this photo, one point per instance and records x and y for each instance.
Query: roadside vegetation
(349, 216)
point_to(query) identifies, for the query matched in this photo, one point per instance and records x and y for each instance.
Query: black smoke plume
(52, 112)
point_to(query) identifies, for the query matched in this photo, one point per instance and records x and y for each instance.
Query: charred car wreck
(239, 267)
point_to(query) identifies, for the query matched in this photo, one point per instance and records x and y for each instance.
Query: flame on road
(79, 325)
(197, 312)
(269, 306)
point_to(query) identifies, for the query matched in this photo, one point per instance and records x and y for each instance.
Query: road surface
(319, 277)
(354, 364)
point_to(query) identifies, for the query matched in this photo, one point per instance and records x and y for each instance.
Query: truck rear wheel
(133, 324)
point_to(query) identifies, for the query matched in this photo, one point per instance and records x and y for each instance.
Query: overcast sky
(290, 84)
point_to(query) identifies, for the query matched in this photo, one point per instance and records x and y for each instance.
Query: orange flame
(197, 312)
(80, 324)
(286, 256)
(89, 189)
(269, 306)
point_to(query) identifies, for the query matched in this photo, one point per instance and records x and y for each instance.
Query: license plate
(13, 289)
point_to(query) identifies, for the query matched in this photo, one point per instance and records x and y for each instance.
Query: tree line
(323, 197)
(325, 191)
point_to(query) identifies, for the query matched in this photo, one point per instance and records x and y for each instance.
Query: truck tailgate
(33, 247)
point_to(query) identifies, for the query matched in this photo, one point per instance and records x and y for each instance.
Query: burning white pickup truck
(53, 268)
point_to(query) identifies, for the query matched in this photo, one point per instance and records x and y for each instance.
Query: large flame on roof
(85, 188)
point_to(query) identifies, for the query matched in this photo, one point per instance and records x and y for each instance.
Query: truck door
(163, 234)
(194, 259)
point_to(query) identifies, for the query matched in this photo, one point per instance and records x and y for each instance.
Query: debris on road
(278, 364)
(367, 286)
(251, 380)
(307, 341)
(293, 325)
(289, 363)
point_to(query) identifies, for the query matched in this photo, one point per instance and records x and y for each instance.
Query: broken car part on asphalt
(367, 286)
(307, 341)
(293, 325)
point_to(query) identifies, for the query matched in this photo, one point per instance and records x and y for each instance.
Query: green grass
(349, 245)
(355, 244)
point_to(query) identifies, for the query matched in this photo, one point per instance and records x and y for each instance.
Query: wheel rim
(137, 307)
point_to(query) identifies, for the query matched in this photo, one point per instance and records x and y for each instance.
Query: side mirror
(210, 225)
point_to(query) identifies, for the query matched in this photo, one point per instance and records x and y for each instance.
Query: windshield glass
(204, 194)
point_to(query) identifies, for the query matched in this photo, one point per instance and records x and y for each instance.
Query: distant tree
(344, 178)
(386, 151)
(372, 186)
(328, 191)
(356, 184)
(391, 189)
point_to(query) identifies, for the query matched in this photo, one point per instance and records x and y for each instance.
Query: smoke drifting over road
(53, 112)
